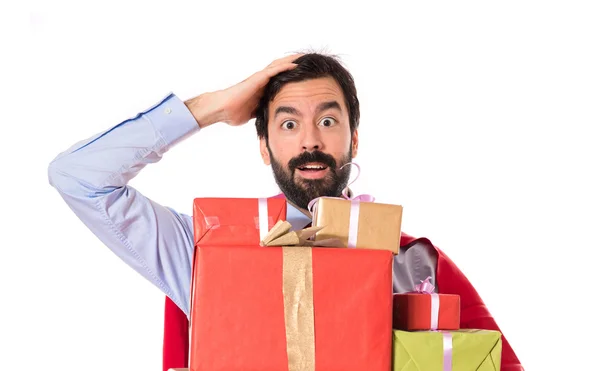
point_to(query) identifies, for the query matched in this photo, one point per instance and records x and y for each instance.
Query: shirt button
(167, 111)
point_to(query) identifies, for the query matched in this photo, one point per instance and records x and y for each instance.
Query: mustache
(315, 156)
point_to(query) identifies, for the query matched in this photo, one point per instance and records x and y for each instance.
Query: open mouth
(312, 167)
(313, 170)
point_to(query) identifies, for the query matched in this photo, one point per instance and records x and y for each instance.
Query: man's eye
(289, 125)
(327, 121)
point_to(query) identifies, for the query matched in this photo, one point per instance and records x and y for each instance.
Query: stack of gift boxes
(264, 297)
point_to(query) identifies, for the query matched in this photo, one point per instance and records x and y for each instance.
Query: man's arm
(92, 177)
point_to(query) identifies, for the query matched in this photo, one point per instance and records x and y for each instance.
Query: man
(307, 115)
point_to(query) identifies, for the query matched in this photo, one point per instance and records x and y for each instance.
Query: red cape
(450, 280)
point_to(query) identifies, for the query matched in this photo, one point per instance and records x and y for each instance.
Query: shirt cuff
(172, 119)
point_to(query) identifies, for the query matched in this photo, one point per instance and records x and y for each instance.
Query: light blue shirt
(92, 177)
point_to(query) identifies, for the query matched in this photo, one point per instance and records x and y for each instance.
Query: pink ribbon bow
(425, 287)
(359, 198)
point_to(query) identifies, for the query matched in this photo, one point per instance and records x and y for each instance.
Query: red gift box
(235, 221)
(426, 310)
(252, 309)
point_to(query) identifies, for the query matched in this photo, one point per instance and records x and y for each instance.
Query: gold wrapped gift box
(363, 225)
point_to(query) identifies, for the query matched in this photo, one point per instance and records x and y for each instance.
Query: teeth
(313, 167)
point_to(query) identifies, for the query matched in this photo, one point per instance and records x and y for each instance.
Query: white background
(480, 119)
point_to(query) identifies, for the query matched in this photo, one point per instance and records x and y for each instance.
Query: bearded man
(307, 115)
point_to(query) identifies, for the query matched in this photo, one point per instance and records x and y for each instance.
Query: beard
(301, 191)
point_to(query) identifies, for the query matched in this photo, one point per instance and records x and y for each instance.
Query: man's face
(309, 140)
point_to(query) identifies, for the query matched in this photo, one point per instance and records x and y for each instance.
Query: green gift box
(460, 350)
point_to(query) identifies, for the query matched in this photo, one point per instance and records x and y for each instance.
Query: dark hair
(310, 66)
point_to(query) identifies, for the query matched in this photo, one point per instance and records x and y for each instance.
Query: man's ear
(355, 143)
(264, 152)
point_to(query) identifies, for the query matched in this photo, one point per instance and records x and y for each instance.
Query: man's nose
(311, 139)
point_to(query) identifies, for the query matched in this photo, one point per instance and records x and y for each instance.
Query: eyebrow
(329, 105)
(322, 107)
(287, 109)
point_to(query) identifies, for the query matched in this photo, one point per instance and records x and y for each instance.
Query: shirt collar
(297, 218)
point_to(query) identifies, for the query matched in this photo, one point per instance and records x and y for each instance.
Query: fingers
(285, 60)
(277, 66)
(274, 70)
